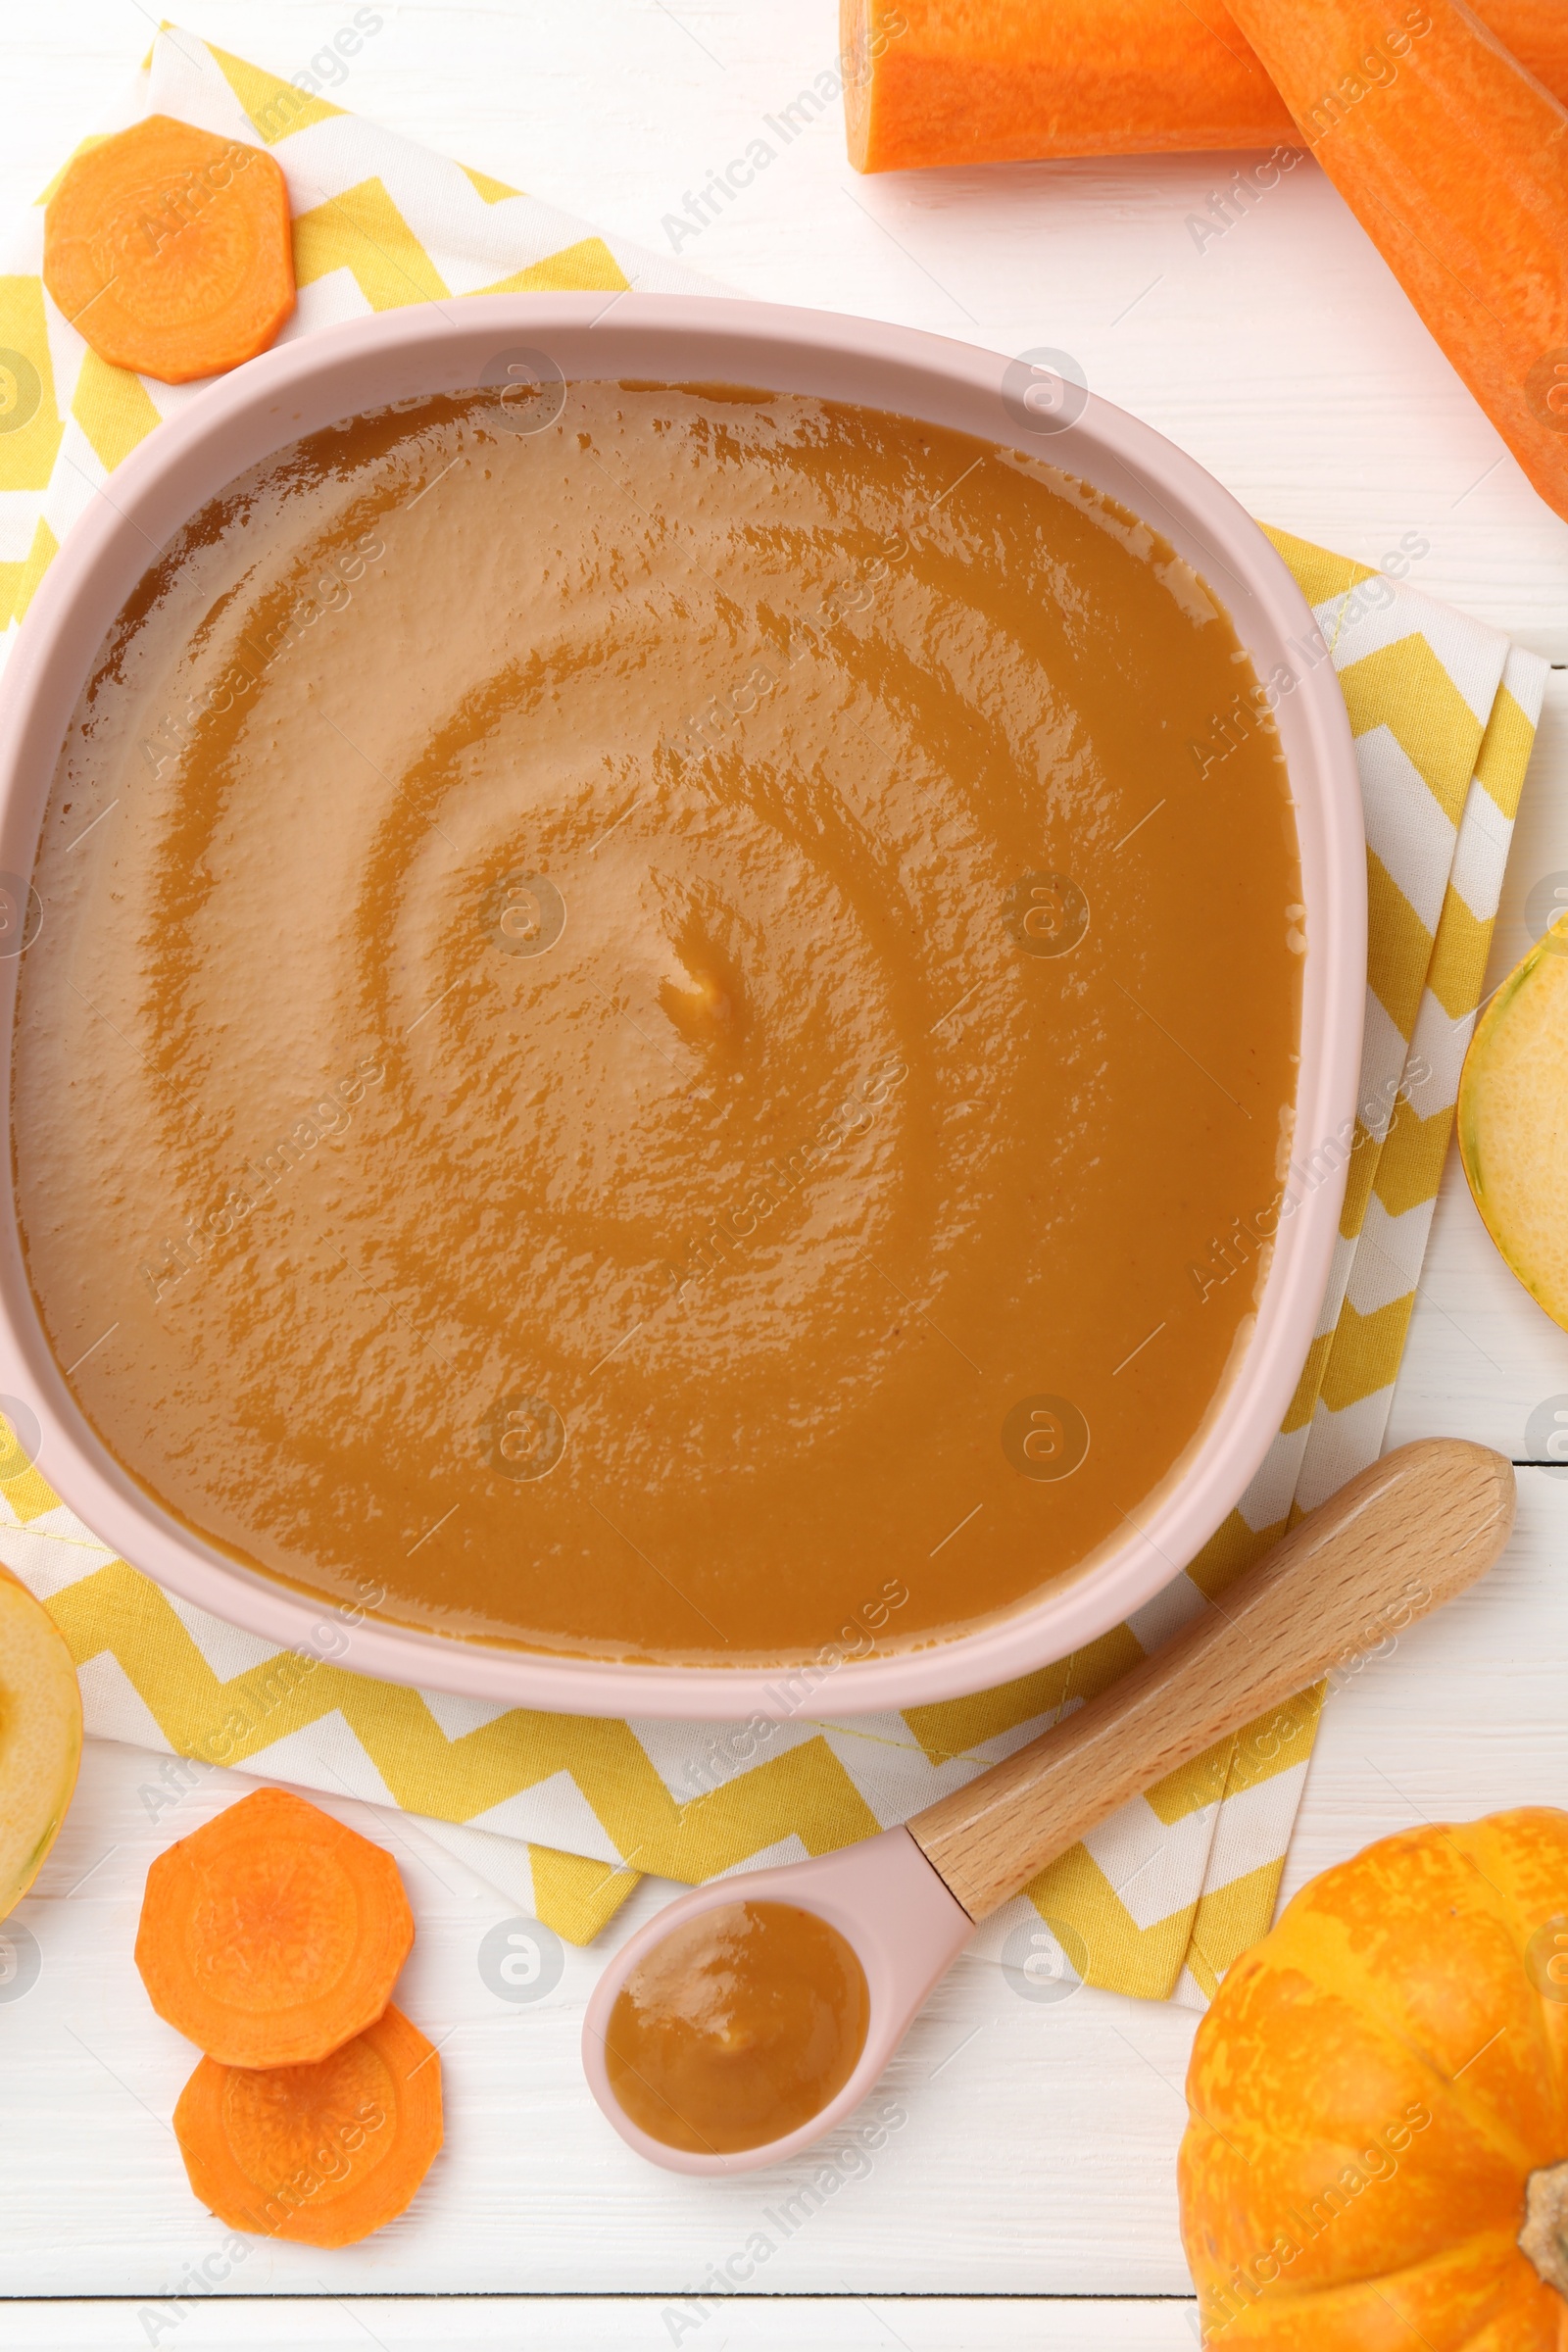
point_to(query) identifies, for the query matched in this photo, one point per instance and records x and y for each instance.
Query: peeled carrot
(272, 1935)
(1455, 162)
(983, 81)
(169, 250)
(322, 2154)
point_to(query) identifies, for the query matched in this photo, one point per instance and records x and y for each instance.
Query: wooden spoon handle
(1401, 1538)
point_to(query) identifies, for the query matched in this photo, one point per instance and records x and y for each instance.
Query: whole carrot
(982, 81)
(1456, 162)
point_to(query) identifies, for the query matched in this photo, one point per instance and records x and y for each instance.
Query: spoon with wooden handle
(1396, 1542)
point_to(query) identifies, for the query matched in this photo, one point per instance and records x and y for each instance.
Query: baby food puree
(644, 1027)
(737, 2028)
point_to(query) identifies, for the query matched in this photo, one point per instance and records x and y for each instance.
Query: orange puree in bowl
(664, 1037)
(737, 2028)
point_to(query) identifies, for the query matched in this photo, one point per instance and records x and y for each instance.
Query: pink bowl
(308, 384)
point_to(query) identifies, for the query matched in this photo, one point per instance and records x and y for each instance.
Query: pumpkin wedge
(1513, 1121)
(40, 1737)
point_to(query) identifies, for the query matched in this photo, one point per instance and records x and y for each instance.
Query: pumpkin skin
(1320, 2212)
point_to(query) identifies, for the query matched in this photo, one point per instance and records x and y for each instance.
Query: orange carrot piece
(1455, 162)
(272, 1935)
(169, 250)
(320, 2154)
(984, 82)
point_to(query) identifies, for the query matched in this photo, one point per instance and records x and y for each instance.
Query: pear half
(1513, 1121)
(40, 1737)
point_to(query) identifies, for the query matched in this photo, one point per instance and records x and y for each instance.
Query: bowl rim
(427, 346)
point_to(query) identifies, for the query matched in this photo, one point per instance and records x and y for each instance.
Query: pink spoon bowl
(307, 384)
(884, 1899)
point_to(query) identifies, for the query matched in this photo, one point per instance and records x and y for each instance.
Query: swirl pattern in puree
(642, 1031)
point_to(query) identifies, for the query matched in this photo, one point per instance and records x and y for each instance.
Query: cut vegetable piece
(273, 1935)
(40, 1737)
(169, 250)
(1513, 1121)
(322, 2154)
(1452, 158)
(981, 81)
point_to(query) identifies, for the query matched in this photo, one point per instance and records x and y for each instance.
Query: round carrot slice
(322, 2154)
(272, 1935)
(169, 250)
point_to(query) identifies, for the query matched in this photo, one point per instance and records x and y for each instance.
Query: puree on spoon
(737, 2028)
(648, 1036)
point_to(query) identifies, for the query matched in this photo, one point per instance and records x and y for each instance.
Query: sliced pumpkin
(1513, 1121)
(40, 1737)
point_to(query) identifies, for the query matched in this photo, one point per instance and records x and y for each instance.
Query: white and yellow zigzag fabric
(378, 221)
(565, 1813)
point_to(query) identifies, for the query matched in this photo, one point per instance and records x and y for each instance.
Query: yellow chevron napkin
(562, 1812)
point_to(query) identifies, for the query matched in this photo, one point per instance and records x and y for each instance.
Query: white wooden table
(1029, 2199)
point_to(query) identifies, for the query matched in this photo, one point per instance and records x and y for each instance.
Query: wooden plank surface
(620, 2324)
(1036, 2157)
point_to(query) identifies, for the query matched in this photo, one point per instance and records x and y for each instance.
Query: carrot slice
(169, 250)
(1451, 157)
(322, 2154)
(272, 1935)
(984, 82)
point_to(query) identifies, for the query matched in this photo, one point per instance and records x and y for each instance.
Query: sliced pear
(40, 1737)
(1513, 1121)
